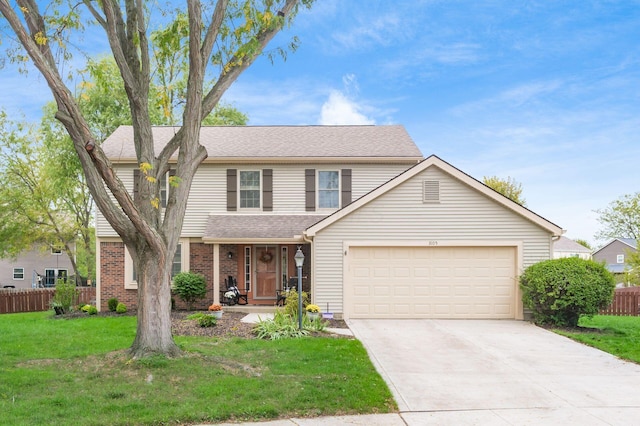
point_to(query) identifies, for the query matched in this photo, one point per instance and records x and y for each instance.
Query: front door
(266, 272)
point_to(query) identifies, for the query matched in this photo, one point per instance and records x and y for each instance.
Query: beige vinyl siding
(463, 214)
(125, 174)
(208, 191)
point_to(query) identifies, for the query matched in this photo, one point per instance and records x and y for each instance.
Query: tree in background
(43, 201)
(584, 243)
(632, 270)
(507, 187)
(224, 39)
(621, 218)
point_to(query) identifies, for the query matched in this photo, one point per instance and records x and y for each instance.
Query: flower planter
(216, 314)
(313, 315)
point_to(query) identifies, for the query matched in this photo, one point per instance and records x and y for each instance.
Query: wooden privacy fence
(34, 300)
(626, 301)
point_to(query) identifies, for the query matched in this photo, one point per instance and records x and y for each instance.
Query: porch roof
(243, 228)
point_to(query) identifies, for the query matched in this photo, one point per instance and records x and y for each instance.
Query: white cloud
(339, 110)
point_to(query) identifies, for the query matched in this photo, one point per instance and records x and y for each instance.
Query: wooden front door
(266, 272)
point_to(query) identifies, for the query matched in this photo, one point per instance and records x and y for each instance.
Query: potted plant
(216, 310)
(313, 311)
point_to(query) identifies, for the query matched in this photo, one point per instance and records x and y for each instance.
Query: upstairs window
(249, 189)
(620, 258)
(328, 189)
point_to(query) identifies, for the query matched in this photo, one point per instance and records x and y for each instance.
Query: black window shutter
(267, 190)
(310, 189)
(346, 187)
(232, 190)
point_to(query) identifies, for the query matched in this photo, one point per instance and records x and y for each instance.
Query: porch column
(216, 273)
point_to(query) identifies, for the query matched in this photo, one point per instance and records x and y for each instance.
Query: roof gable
(227, 143)
(434, 161)
(630, 242)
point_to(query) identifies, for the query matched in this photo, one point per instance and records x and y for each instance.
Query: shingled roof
(279, 142)
(255, 228)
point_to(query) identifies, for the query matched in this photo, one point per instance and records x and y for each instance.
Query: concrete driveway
(469, 372)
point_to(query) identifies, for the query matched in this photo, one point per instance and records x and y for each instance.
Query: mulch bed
(230, 325)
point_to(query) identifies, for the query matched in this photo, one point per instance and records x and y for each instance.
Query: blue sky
(546, 92)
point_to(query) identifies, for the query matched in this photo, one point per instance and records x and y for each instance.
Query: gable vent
(431, 191)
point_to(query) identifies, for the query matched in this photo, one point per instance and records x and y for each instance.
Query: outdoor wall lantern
(299, 258)
(230, 255)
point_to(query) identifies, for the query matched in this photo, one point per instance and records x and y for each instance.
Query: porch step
(250, 309)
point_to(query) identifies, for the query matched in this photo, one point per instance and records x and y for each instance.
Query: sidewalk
(392, 419)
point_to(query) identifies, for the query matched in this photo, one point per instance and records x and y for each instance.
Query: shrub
(204, 320)
(121, 308)
(559, 291)
(85, 308)
(65, 296)
(112, 304)
(92, 310)
(291, 303)
(190, 287)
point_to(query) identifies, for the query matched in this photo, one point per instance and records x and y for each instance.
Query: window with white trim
(247, 268)
(328, 189)
(620, 258)
(284, 265)
(18, 273)
(176, 267)
(249, 189)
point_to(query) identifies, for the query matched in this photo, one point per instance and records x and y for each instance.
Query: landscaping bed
(230, 325)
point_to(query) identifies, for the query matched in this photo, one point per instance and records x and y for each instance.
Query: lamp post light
(299, 258)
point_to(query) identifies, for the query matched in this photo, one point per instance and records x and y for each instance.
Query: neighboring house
(614, 254)
(35, 268)
(566, 247)
(385, 232)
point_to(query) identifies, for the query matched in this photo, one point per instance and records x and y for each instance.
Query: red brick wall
(112, 277)
(231, 266)
(200, 262)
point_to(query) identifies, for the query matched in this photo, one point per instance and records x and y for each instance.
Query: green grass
(617, 335)
(76, 372)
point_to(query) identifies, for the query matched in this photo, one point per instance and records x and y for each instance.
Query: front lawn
(75, 371)
(617, 335)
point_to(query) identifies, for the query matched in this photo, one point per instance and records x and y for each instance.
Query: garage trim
(517, 245)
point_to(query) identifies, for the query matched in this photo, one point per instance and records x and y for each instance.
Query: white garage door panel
(431, 282)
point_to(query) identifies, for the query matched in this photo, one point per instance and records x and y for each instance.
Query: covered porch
(256, 254)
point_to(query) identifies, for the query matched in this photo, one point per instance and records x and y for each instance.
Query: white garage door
(431, 282)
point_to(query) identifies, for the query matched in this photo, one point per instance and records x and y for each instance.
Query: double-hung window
(249, 189)
(328, 189)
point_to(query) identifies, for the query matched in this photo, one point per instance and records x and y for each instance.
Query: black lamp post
(299, 258)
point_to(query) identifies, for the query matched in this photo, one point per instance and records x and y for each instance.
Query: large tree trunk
(153, 334)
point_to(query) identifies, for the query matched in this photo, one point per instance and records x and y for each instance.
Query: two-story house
(36, 268)
(385, 232)
(614, 254)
